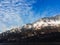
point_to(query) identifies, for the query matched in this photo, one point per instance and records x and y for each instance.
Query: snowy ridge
(43, 22)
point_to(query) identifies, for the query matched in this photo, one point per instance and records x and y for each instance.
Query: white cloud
(12, 13)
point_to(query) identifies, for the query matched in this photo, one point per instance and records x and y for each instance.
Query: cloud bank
(15, 13)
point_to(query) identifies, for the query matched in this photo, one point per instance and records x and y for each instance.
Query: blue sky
(15, 13)
(49, 7)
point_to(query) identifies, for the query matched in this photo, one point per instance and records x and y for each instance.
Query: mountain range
(44, 29)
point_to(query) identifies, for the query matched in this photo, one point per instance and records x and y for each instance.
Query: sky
(16, 13)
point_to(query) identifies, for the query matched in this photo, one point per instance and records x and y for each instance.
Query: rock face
(44, 29)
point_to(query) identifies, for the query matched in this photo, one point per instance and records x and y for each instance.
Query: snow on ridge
(52, 21)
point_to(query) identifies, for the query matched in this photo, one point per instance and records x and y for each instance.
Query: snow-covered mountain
(39, 24)
(42, 29)
(47, 21)
(43, 22)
